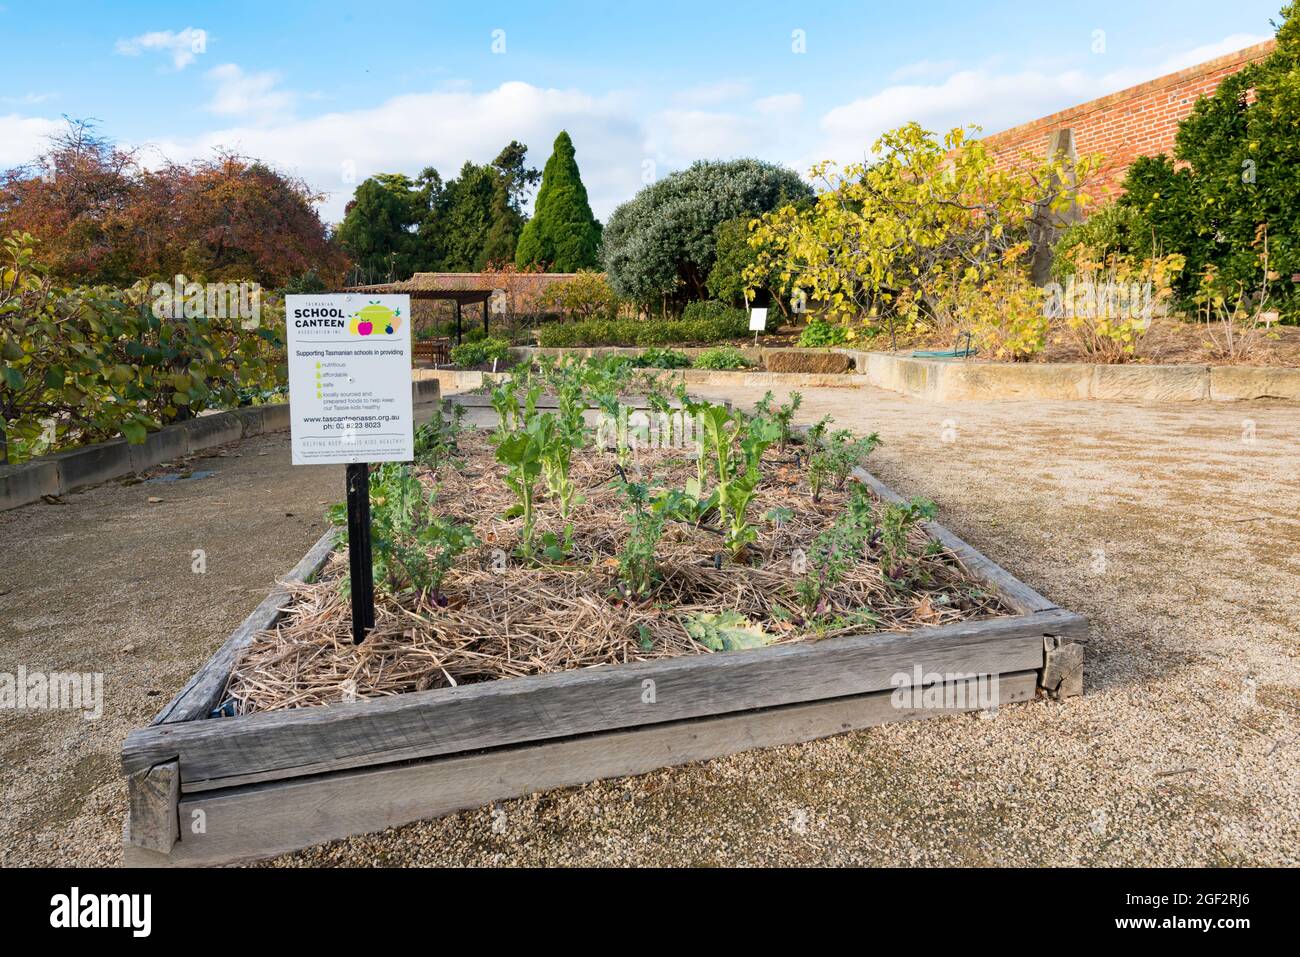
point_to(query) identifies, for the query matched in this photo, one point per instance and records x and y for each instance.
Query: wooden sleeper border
(208, 791)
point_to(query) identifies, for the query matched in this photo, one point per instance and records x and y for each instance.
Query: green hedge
(703, 322)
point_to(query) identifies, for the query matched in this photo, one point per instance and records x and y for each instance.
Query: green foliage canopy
(1234, 177)
(563, 235)
(663, 242)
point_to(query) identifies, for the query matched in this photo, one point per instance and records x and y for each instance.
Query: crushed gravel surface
(1174, 528)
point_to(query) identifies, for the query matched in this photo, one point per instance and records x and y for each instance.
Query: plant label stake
(757, 321)
(350, 404)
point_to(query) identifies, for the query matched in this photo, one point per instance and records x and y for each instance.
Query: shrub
(1110, 298)
(926, 216)
(81, 365)
(483, 352)
(721, 358)
(1005, 314)
(663, 243)
(1117, 228)
(656, 358)
(586, 296)
(819, 333)
(713, 322)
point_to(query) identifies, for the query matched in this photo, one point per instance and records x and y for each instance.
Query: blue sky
(334, 92)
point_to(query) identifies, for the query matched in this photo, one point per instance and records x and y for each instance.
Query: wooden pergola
(462, 288)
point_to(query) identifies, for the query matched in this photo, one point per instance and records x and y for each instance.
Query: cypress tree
(563, 235)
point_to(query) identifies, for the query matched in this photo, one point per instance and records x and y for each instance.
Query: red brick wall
(1139, 121)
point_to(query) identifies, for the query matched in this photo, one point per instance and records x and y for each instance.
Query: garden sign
(350, 403)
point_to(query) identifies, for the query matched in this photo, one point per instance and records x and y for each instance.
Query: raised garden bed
(518, 676)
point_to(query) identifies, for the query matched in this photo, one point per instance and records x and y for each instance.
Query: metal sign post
(361, 565)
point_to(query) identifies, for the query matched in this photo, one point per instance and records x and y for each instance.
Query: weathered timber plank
(152, 796)
(1062, 667)
(204, 690)
(256, 821)
(304, 741)
(1019, 596)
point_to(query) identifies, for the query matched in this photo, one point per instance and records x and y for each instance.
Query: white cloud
(1131, 76)
(922, 69)
(678, 137)
(991, 97)
(182, 46)
(336, 151)
(250, 96)
(28, 99)
(712, 94)
(23, 138)
(780, 105)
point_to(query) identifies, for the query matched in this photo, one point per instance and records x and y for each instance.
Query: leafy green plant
(725, 631)
(736, 445)
(558, 441)
(722, 358)
(521, 452)
(896, 523)
(483, 352)
(835, 550)
(836, 460)
(656, 358)
(816, 433)
(820, 333)
(435, 441)
(782, 415)
(413, 549)
(505, 402)
(636, 560)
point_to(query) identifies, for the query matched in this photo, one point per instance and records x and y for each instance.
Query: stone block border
(63, 472)
(939, 380)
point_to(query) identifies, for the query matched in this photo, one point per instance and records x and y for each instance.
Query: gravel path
(1175, 529)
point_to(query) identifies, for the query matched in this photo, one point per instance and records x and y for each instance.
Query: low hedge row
(712, 322)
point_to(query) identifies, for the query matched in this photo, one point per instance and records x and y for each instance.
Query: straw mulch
(503, 619)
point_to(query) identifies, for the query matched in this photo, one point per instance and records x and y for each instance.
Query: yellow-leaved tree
(918, 237)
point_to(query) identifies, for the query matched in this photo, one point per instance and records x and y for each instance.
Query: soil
(499, 615)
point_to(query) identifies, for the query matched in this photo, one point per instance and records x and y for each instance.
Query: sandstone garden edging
(63, 472)
(940, 380)
(947, 380)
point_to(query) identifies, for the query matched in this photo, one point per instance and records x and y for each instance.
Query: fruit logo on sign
(375, 318)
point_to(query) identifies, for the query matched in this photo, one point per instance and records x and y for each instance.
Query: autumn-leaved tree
(101, 217)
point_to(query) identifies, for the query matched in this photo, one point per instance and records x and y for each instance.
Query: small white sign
(349, 378)
(757, 319)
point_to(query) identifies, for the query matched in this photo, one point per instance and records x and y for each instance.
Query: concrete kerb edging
(63, 472)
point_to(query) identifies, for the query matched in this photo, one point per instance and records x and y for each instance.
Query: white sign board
(757, 319)
(349, 378)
